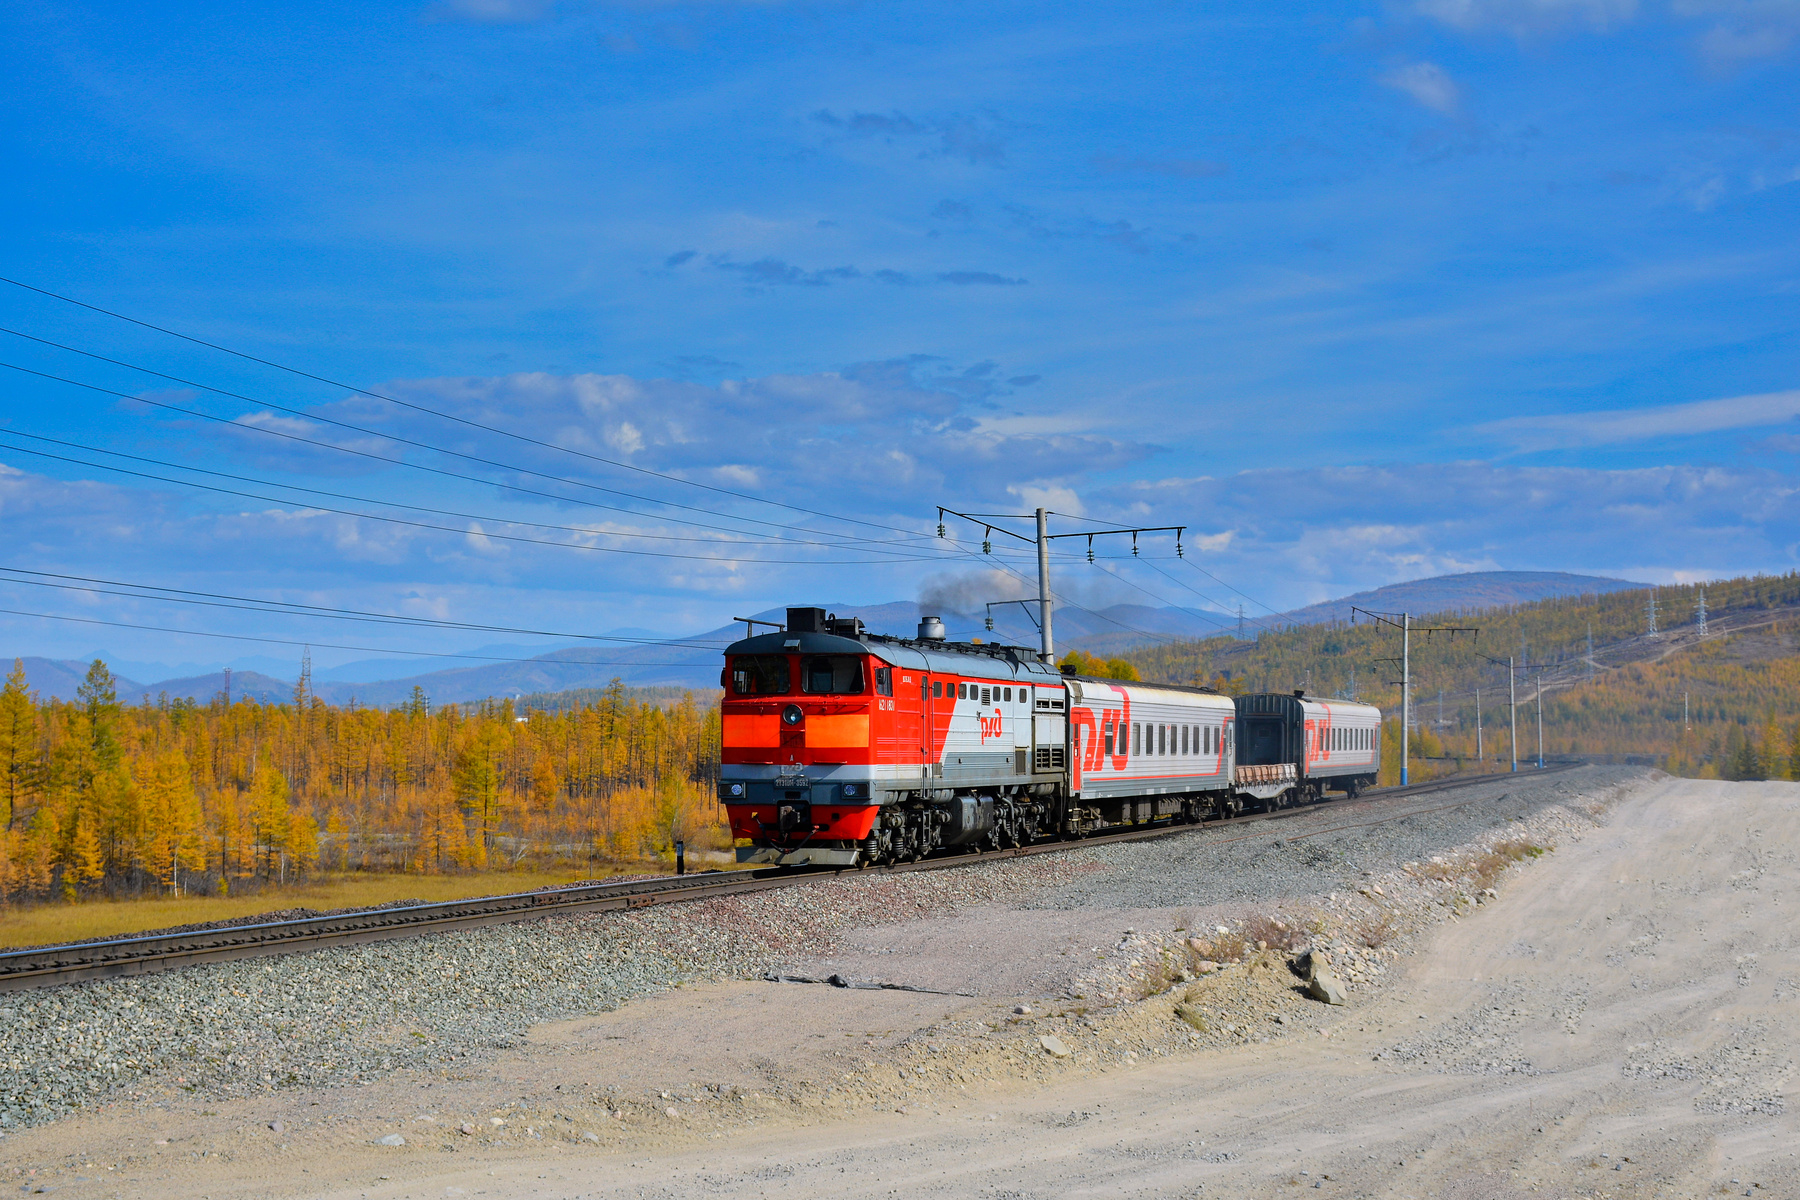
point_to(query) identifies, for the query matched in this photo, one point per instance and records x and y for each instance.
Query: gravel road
(353, 1014)
(539, 1012)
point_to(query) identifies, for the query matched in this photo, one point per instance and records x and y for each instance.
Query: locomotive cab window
(884, 681)
(760, 675)
(937, 688)
(832, 674)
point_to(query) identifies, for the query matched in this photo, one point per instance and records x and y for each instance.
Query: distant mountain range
(694, 661)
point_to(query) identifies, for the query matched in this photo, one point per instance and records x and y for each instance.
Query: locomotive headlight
(734, 789)
(853, 791)
(791, 715)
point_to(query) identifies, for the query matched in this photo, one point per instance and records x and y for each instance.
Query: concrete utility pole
(1512, 703)
(1403, 622)
(1540, 708)
(1046, 641)
(1480, 749)
(1043, 549)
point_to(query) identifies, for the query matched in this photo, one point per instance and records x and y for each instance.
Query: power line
(505, 537)
(304, 415)
(442, 512)
(286, 607)
(440, 415)
(243, 637)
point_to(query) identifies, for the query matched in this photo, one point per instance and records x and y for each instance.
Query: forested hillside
(1741, 682)
(102, 797)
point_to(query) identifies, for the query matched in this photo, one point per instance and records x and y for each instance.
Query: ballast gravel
(349, 1015)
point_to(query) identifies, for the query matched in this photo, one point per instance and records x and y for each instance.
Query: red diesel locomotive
(843, 748)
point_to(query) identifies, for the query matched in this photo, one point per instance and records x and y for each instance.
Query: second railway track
(49, 966)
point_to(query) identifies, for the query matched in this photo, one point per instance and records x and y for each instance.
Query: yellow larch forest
(103, 798)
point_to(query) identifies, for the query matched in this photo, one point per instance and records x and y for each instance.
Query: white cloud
(1748, 37)
(1526, 18)
(1061, 500)
(1569, 430)
(1427, 83)
(1304, 535)
(493, 12)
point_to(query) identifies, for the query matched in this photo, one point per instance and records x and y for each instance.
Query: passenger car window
(760, 675)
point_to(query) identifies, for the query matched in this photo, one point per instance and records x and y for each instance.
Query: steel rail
(47, 966)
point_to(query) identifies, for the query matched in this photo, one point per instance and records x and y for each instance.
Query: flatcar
(844, 748)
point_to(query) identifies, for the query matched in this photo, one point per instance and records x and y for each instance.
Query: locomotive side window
(884, 681)
(833, 674)
(1137, 744)
(937, 688)
(1109, 740)
(760, 675)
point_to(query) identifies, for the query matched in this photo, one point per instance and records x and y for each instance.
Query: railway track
(47, 966)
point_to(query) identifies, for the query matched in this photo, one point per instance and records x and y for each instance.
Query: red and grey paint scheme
(842, 747)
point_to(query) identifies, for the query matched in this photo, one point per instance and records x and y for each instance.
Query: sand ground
(1622, 1022)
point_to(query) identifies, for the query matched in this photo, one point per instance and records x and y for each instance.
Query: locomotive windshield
(760, 675)
(832, 674)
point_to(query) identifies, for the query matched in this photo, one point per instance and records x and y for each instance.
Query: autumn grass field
(48, 924)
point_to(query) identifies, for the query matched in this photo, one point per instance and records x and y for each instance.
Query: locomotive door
(1022, 722)
(912, 720)
(922, 735)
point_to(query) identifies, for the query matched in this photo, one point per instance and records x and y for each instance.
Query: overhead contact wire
(448, 416)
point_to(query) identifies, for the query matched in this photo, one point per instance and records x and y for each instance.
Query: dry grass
(1270, 933)
(1376, 931)
(1518, 850)
(52, 923)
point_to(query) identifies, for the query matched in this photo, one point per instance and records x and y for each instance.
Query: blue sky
(1355, 292)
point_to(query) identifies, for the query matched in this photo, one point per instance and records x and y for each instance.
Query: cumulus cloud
(1427, 83)
(1308, 534)
(1570, 430)
(873, 427)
